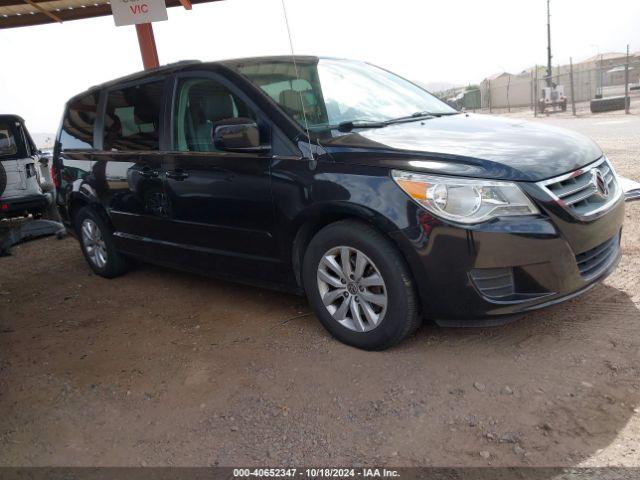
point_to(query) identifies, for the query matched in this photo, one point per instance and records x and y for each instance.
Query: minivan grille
(587, 191)
(593, 262)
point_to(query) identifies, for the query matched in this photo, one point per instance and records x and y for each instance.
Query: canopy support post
(147, 43)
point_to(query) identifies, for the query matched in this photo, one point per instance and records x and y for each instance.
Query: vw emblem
(600, 183)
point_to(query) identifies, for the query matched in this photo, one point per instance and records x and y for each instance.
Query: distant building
(517, 90)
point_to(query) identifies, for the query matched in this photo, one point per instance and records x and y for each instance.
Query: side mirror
(238, 135)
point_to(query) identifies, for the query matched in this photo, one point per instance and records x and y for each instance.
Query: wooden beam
(65, 15)
(14, 21)
(43, 10)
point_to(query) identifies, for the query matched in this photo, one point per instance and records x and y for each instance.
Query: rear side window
(132, 119)
(78, 122)
(8, 146)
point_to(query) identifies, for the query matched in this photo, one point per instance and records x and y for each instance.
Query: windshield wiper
(420, 115)
(353, 124)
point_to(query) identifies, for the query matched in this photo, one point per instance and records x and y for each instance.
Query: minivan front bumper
(488, 273)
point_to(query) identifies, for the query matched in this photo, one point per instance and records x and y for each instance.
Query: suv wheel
(96, 241)
(359, 286)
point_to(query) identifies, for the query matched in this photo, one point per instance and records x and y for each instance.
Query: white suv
(23, 188)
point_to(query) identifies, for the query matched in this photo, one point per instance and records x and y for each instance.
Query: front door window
(203, 103)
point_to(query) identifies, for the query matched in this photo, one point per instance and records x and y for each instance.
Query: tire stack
(609, 104)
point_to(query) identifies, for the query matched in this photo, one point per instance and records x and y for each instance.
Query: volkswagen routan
(341, 181)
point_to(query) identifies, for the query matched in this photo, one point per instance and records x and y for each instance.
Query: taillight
(54, 178)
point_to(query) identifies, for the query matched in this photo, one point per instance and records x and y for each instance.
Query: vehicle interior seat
(292, 103)
(206, 111)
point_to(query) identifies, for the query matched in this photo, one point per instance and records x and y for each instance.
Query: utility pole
(627, 100)
(548, 43)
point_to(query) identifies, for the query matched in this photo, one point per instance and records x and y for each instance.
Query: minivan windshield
(331, 92)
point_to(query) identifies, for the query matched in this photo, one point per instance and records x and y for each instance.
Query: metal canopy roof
(23, 13)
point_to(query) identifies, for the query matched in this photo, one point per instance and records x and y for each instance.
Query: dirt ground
(165, 368)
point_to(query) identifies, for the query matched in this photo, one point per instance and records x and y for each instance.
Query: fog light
(494, 283)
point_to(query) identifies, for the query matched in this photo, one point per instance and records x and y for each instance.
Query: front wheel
(360, 286)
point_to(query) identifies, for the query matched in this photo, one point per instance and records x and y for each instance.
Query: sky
(428, 41)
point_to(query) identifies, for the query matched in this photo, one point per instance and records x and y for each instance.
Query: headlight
(465, 200)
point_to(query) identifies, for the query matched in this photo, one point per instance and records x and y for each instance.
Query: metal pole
(573, 91)
(535, 95)
(627, 100)
(489, 84)
(600, 81)
(548, 44)
(508, 99)
(532, 96)
(147, 43)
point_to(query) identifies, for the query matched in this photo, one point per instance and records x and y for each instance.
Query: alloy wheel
(93, 243)
(352, 288)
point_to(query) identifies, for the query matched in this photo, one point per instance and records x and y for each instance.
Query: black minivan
(339, 180)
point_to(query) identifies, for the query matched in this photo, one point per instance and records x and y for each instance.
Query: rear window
(8, 146)
(77, 126)
(132, 120)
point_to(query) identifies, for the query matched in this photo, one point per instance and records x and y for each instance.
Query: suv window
(7, 140)
(201, 103)
(132, 119)
(78, 122)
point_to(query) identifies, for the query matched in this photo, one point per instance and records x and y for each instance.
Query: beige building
(604, 72)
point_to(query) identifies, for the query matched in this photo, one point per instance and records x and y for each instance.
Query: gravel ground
(166, 368)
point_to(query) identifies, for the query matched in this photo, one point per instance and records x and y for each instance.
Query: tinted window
(201, 104)
(79, 119)
(132, 120)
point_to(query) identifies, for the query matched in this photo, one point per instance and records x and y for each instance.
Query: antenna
(295, 68)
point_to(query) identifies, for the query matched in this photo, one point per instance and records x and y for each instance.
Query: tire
(394, 321)
(99, 251)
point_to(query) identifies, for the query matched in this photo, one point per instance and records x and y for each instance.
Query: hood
(468, 145)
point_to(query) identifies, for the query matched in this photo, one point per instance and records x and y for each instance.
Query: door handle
(178, 174)
(148, 173)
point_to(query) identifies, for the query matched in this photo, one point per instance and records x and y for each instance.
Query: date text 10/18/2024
(316, 472)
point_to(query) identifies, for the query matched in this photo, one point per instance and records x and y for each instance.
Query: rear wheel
(96, 241)
(359, 286)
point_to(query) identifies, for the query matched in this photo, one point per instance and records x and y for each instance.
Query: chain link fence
(614, 76)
